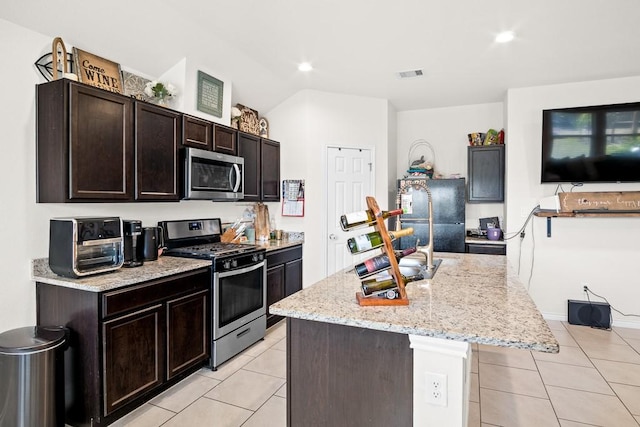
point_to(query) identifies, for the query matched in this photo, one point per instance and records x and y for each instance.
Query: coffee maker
(133, 243)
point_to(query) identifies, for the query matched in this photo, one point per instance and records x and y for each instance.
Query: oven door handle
(235, 172)
(241, 270)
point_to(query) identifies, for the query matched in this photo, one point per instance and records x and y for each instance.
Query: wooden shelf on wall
(596, 204)
(604, 204)
(603, 214)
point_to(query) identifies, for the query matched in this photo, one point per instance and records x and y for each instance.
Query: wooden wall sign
(96, 71)
(248, 122)
(600, 201)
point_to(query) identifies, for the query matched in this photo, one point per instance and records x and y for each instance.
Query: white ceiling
(356, 46)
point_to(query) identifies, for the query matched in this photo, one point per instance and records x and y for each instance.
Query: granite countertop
(484, 241)
(165, 266)
(272, 245)
(474, 298)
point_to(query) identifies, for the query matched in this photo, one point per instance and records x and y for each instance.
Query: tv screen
(591, 144)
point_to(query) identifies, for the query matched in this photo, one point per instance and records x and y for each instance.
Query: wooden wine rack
(395, 270)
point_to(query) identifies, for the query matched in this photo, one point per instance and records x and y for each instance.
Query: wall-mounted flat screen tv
(591, 144)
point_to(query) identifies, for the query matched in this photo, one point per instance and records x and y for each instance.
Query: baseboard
(617, 323)
(594, 314)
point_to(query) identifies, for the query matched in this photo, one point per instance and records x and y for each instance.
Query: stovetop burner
(200, 238)
(212, 250)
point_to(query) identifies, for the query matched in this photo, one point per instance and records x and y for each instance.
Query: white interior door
(349, 182)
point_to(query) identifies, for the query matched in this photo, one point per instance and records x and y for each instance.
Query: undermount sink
(417, 264)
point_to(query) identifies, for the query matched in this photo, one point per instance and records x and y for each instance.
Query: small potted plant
(160, 93)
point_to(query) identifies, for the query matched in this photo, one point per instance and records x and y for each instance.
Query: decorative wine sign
(98, 72)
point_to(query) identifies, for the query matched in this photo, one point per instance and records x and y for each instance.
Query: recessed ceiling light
(305, 67)
(505, 37)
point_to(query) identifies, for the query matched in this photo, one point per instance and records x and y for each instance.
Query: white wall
(304, 125)
(601, 252)
(446, 130)
(24, 224)
(309, 122)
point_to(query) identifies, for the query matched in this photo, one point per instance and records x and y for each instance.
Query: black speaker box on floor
(595, 314)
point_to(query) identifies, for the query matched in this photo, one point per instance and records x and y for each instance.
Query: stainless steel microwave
(213, 176)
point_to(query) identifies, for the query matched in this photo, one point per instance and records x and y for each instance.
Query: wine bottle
(364, 218)
(385, 283)
(374, 240)
(380, 262)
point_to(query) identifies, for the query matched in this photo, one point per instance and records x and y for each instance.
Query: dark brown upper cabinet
(261, 168)
(158, 133)
(94, 145)
(84, 144)
(224, 140)
(197, 133)
(270, 170)
(486, 174)
(249, 149)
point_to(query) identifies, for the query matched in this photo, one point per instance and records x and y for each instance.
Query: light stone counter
(472, 298)
(165, 266)
(272, 245)
(484, 241)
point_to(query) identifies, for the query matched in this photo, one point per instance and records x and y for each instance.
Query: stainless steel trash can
(32, 377)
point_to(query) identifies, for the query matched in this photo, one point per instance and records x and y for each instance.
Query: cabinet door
(486, 174)
(101, 145)
(133, 359)
(249, 149)
(197, 133)
(275, 290)
(270, 171)
(224, 140)
(293, 277)
(187, 332)
(157, 133)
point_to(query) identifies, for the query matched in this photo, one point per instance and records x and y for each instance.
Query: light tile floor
(593, 381)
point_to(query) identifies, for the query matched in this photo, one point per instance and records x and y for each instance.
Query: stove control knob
(256, 258)
(234, 263)
(226, 265)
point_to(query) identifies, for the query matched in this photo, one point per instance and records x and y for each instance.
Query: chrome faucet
(427, 250)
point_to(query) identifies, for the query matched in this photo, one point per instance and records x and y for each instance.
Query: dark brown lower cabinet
(284, 276)
(187, 337)
(129, 344)
(130, 373)
(346, 376)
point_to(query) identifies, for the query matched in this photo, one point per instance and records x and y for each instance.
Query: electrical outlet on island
(436, 389)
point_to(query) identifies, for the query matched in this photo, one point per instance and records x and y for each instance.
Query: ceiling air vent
(408, 74)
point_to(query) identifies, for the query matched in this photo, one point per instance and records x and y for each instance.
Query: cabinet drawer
(282, 256)
(135, 297)
(477, 248)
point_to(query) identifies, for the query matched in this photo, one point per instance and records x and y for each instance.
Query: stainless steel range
(238, 283)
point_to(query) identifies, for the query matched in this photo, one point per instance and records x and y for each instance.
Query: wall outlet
(436, 389)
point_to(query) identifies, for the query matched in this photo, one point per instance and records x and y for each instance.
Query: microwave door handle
(235, 171)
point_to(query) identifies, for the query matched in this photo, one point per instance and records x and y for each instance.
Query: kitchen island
(349, 365)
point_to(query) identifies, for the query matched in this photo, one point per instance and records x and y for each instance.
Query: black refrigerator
(448, 200)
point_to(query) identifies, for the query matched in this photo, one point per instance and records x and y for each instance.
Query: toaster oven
(83, 246)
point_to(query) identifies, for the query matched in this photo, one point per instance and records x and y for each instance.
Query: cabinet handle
(333, 237)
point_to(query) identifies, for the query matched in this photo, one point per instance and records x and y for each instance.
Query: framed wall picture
(96, 71)
(210, 91)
